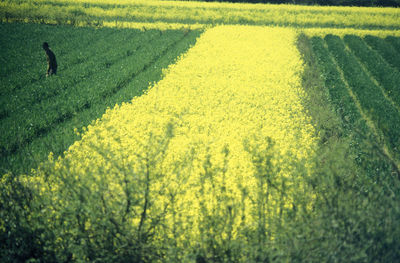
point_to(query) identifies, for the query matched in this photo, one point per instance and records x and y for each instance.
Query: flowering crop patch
(96, 12)
(214, 152)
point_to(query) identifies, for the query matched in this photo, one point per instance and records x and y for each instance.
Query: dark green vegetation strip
(76, 63)
(339, 96)
(355, 214)
(19, 72)
(354, 125)
(110, 67)
(385, 49)
(387, 76)
(373, 102)
(395, 42)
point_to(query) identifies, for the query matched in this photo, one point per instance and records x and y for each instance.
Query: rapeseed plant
(97, 12)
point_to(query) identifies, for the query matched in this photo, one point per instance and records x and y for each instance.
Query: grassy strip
(62, 136)
(331, 109)
(365, 147)
(387, 51)
(24, 50)
(68, 53)
(355, 128)
(395, 42)
(387, 77)
(384, 115)
(353, 183)
(90, 64)
(339, 96)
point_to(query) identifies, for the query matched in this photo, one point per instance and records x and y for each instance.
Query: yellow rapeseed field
(212, 138)
(184, 12)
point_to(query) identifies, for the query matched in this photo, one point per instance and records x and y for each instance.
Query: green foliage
(79, 218)
(336, 214)
(385, 49)
(92, 225)
(355, 185)
(370, 96)
(354, 217)
(395, 42)
(21, 238)
(380, 70)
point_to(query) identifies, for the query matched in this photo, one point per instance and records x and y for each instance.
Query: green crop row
(49, 125)
(385, 49)
(80, 65)
(395, 42)
(35, 72)
(339, 94)
(345, 107)
(355, 185)
(23, 49)
(387, 77)
(373, 102)
(363, 140)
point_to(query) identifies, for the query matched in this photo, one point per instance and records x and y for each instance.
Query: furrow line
(380, 137)
(42, 95)
(373, 79)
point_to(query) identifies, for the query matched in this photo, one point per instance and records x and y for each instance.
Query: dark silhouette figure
(51, 60)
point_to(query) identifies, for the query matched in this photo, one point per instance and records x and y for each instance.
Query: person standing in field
(51, 60)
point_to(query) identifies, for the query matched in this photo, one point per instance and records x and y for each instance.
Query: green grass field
(82, 179)
(361, 81)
